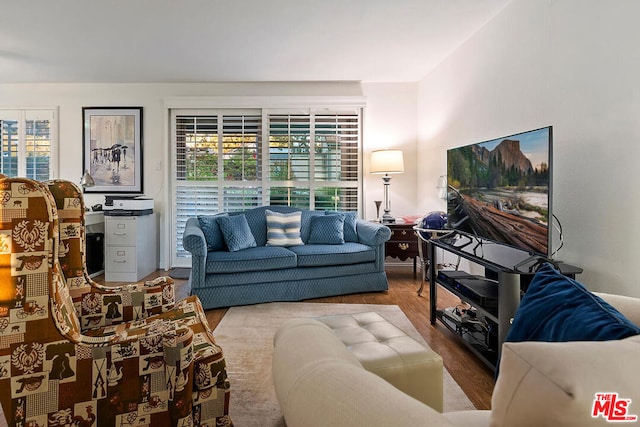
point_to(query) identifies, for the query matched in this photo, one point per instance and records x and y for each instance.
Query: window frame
(22, 115)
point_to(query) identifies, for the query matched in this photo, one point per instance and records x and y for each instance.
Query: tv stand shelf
(512, 270)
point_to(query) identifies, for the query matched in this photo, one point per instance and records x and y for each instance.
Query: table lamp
(387, 162)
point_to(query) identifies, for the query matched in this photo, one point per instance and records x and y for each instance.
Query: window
(27, 143)
(232, 160)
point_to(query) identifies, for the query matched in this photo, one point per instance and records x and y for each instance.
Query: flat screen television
(500, 190)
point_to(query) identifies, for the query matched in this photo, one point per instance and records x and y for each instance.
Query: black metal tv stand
(510, 268)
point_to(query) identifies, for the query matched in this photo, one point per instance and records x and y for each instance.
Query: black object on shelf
(95, 252)
(495, 296)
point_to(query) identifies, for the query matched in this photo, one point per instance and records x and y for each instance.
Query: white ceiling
(165, 41)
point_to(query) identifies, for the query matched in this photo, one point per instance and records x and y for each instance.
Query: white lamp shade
(387, 161)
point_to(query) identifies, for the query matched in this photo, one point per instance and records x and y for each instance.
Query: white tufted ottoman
(388, 352)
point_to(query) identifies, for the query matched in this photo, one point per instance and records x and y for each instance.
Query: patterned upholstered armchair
(161, 370)
(98, 305)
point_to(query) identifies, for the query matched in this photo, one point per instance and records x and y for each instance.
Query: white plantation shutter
(337, 144)
(195, 145)
(229, 160)
(190, 201)
(28, 140)
(313, 160)
(217, 166)
(289, 147)
(241, 198)
(337, 139)
(241, 137)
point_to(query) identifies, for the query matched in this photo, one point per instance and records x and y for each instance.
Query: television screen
(501, 190)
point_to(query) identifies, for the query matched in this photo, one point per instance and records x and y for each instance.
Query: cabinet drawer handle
(121, 261)
(403, 246)
(119, 234)
(404, 232)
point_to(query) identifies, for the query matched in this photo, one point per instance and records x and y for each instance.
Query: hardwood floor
(470, 373)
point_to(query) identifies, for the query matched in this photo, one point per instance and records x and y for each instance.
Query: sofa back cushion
(566, 383)
(350, 220)
(257, 220)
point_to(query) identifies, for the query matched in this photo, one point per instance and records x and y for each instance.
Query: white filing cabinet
(130, 247)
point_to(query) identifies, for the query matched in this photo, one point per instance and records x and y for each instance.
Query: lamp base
(388, 219)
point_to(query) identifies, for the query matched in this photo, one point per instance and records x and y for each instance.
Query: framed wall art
(112, 148)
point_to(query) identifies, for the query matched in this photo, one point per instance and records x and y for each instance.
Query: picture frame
(112, 149)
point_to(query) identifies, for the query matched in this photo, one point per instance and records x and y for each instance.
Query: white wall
(572, 64)
(390, 119)
(391, 122)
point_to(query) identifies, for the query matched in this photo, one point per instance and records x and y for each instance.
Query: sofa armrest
(372, 233)
(193, 238)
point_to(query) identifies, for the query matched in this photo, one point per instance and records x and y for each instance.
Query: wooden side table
(403, 243)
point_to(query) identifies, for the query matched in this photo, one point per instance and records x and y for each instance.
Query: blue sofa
(222, 278)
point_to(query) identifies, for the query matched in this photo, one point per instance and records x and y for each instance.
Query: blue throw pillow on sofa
(557, 308)
(211, 230)
(350, 218)
(236, 232)
(326, 230)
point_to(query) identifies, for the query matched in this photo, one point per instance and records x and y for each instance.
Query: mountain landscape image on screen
(500, 189)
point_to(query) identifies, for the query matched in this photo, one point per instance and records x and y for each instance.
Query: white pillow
(555, 383)
(283, 229)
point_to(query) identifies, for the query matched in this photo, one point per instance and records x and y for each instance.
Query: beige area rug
(246, 337)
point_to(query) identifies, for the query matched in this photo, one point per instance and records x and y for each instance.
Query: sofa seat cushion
(390, 353)
(259, 258)
(322, 255)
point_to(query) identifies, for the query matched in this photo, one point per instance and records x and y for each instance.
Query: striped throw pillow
(283, 229)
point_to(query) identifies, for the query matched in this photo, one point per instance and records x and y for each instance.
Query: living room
(532, 65)
(570, 64)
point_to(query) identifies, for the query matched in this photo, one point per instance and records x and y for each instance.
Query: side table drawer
(120, 259)
(120, 231)
(403, 243)
(404, 233)
(401, 248)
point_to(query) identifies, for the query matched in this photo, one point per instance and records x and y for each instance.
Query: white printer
(127, 205)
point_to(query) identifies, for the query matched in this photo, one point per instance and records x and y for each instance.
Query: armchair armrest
(193, 238)
(372, 233)
(101, 306)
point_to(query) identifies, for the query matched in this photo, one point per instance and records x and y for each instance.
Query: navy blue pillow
(326, 230)
(350, 218)
(557, 308)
